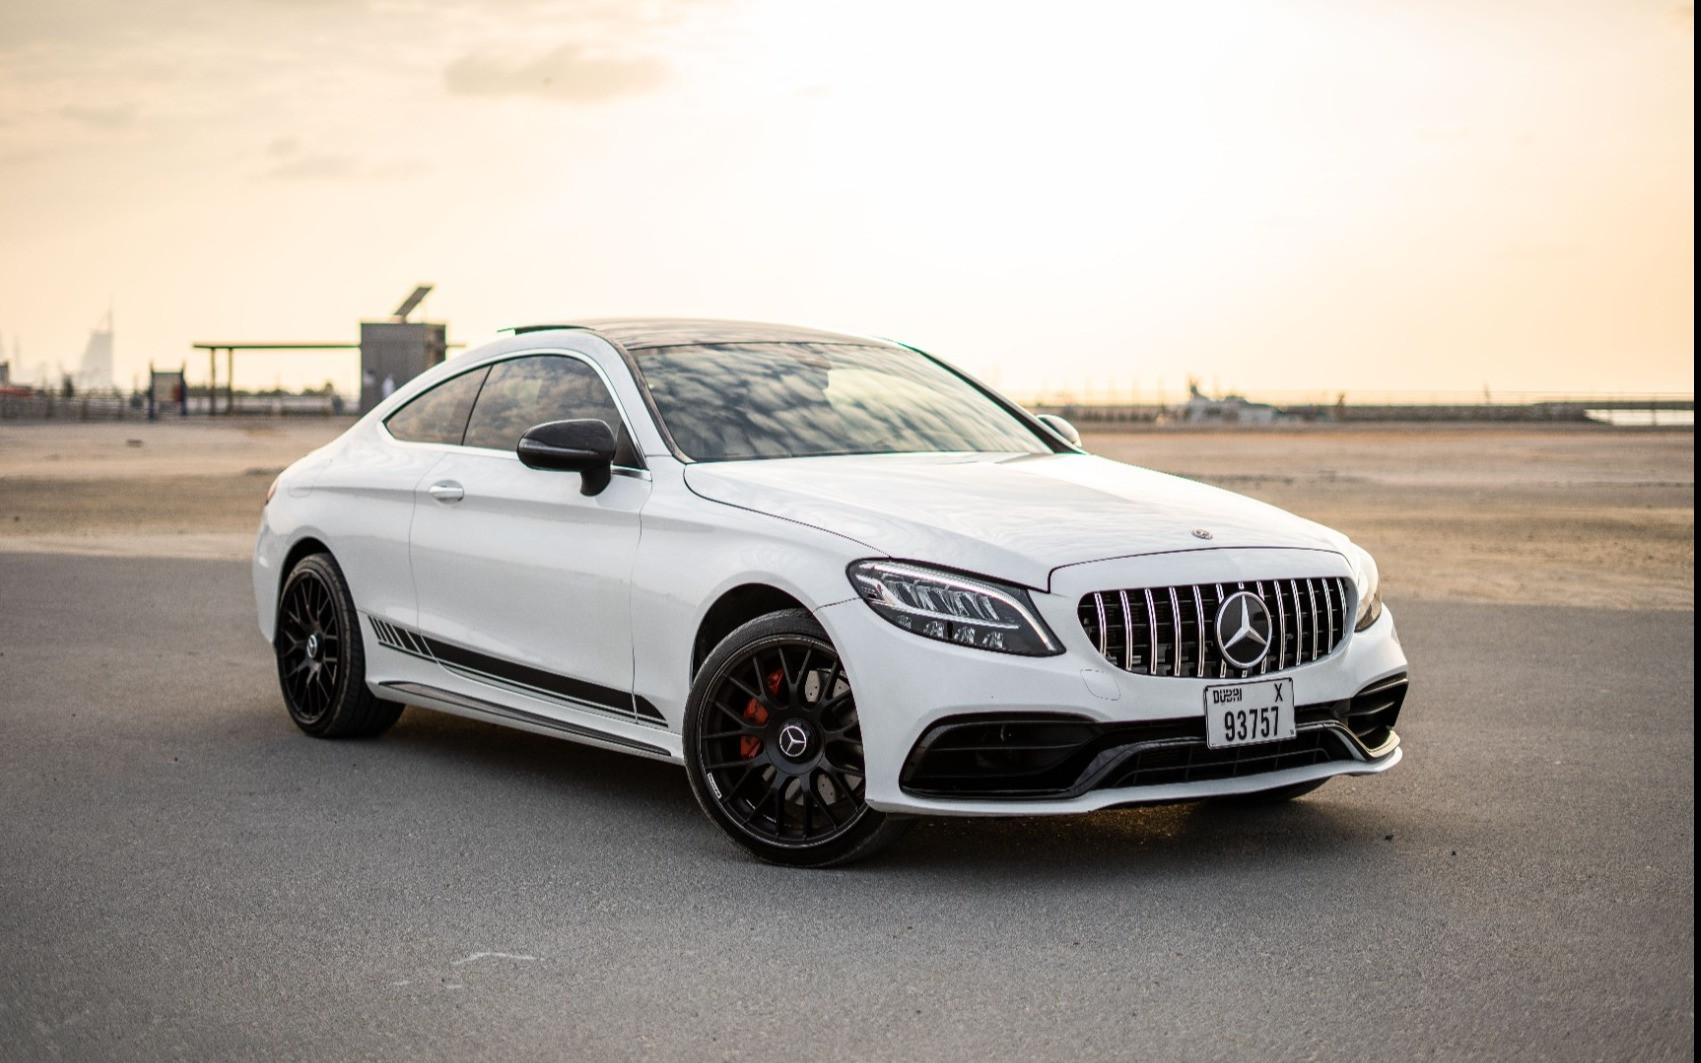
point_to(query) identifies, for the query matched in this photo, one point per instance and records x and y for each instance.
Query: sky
(1091, 198)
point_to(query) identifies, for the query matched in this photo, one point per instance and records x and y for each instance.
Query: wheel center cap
(793, 740)
(312, 647)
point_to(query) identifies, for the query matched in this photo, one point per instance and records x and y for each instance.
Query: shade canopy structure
(230, 350)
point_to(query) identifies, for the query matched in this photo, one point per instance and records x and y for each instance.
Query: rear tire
(321, 658)
(773, 747)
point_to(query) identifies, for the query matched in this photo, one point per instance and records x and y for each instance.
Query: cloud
(292, 164)
(566, 73)
(111, 116)
(327, 167)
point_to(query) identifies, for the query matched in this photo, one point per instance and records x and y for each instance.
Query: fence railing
(44, 407)
(1656, 413)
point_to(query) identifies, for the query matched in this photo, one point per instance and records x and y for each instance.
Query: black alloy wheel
(321, 660)
(773, 746)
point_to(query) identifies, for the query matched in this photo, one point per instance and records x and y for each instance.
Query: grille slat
(1296, 610)
(1104, 629)
(1222, 665)
(1309, 620)
(1329, 609)
(1311, 594)
(1152, 630)
(1127, 632)
(1175, 633)
(1198, 621)
(1264, 665)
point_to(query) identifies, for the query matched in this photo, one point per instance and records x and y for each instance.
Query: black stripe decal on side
(647, 710)
(398, 639)
(527, 676)
(483, 666)
(521, 716)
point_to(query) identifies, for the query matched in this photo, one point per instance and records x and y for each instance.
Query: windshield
(727, 402)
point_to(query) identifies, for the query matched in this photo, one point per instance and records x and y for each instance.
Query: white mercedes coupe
(840, 581)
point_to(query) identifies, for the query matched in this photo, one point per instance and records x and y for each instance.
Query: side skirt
(450, 701)
(520, 678)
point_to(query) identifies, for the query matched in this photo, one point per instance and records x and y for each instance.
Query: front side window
(522, 393)
(729, 402)
(438, 415)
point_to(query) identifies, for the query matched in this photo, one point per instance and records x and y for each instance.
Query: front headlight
(949, 607)
(1369, 582)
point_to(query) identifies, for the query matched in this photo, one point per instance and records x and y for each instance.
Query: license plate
(1244, 714)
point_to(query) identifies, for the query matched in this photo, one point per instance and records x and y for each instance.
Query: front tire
(321, 659)
(773, 746)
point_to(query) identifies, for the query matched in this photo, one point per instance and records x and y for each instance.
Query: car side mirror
(1062, 428)
(585, 447)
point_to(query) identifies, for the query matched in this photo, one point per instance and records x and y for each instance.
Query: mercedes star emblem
(794, 740)
(1243, 629)
(1202, 533)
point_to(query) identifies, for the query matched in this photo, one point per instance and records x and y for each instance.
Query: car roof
(642, 333)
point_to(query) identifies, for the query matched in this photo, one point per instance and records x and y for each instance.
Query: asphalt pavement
(184, 875)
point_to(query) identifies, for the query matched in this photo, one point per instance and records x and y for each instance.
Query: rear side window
(523, 393)
(439, 415)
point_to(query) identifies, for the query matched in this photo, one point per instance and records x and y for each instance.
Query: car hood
(1017, 518)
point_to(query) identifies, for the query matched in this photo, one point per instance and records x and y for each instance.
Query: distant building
(1229, 409)
(95, 372)
(393, 352)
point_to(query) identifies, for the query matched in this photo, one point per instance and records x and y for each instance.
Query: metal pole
(230, 380)
(212, 380)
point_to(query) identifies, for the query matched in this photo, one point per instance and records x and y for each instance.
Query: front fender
(691, 551)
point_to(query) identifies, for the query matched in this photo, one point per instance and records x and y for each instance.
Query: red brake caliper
(750, 745)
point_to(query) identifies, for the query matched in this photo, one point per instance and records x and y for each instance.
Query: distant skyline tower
(95, 374)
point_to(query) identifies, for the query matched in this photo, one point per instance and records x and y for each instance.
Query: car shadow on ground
(473, 745)
(655, 800)
(1178, 839)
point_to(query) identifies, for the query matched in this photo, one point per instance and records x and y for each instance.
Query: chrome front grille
(1169, 630)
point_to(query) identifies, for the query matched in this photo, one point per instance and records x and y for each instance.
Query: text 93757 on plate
(1244, 714)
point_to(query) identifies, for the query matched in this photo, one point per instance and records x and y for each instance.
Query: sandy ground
(1582, 516)
(1548, 516)
(168, 489)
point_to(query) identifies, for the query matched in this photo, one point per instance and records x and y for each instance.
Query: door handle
(447, 491)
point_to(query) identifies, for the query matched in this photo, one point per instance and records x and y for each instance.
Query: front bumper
(1136, 739)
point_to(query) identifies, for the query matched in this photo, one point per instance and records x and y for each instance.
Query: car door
(368, 493)
(522, 580)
